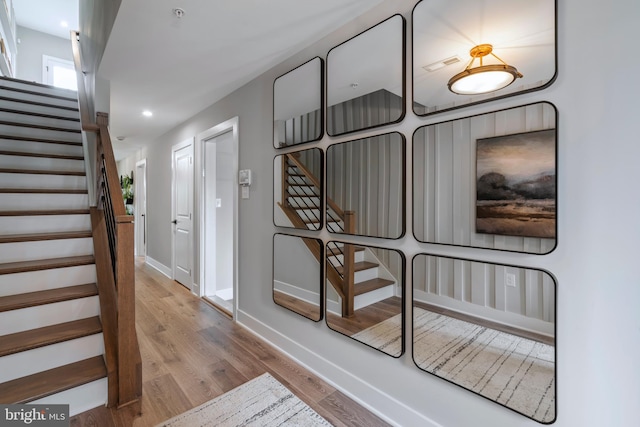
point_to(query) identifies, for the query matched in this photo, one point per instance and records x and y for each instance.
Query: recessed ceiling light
(147, 113)
(64, 24)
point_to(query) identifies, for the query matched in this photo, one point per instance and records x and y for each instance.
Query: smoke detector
(179, 12)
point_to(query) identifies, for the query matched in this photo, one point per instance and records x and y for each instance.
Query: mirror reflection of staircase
(356, 275)
(51, 344)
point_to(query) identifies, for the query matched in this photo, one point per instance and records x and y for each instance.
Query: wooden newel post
(349, 271)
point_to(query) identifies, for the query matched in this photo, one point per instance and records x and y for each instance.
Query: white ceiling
(46, 15)
(176, 67)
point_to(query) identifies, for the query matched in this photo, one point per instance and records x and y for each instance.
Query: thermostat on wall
(244, 177)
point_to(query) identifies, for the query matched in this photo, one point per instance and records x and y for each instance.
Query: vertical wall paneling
(479, 288)
(444, 177)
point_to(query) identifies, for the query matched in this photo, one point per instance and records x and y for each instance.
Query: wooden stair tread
(45, 264)
(35, 338)
(46, 212)
(42, 191)
(359, 266)
(56, 380)
(40, 104)
(45, 236)
(42, 115)
(49, 296)
(42, 172)
(45, 140)
(304, 208)
(371, 285)
(44, 155)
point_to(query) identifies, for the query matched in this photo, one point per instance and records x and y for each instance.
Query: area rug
(261, 402)
(516, 372)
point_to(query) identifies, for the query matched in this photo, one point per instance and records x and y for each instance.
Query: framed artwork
(516, 184)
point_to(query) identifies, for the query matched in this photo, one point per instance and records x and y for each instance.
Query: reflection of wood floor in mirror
(299, 306)
(366, 316)
(486, 323)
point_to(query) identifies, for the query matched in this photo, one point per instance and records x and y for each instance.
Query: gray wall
(34, 44)
(594, 263)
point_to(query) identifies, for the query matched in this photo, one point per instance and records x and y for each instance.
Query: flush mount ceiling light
(484, 78)
(147, 113)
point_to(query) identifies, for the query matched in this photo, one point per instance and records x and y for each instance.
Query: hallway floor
(192, 353)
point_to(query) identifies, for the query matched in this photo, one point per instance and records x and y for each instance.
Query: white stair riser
(43, 224)
(297, 190)
(37, 98)
(25, 180)
(41, 163)
(358, 256)
(304, 202)
(29, 362)
(36, 201)
(79, 399)
(38, 120)
(363, 275)
(309, 213)
(42, 280)
(45, 249)
(40, 109)
(372, 297)
(40, 147)
(46, 315)
(27, 132)
(49, 90)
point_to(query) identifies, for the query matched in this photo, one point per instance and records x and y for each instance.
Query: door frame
(201, 139)
(174, 148)
(140, 187)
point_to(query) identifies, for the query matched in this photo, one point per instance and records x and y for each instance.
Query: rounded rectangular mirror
(298, 105)
(468, 51)
(365, 79)
(488, 181)
(365, 186)
(297, 276)
(297, 189)
(365, 295)
(489, 328)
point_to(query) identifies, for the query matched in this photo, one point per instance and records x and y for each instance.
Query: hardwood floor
(366, 316)
(192, 353)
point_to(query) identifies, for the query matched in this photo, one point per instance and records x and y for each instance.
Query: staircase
(358, 277)
(51, 343)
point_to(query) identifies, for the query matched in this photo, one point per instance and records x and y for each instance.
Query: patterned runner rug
(516, 372)
(261, 402)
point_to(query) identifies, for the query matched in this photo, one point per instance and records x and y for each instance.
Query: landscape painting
(516, 184)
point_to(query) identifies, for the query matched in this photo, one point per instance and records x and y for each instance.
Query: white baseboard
(377, 402)
(160, 267)
(299, 293)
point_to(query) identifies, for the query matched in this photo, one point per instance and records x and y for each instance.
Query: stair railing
(341, 276)
(113, 237)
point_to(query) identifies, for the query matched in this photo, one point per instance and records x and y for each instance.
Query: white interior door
(183, 212)
(141, 208)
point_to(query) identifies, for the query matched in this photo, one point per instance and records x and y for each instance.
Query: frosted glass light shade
(483, 79)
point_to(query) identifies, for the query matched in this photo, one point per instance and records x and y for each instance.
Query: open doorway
(218, 148)
(59, 73)
(140, 210)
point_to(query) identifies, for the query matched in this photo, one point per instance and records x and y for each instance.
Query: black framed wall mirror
(297, 189)
(466, 51)
(365, 295)
(488, 181)
(366, 79)
(297, 276)
(298, 105)
(489, 328)
(365, 186)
